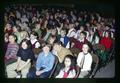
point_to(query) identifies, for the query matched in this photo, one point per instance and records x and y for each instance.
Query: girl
(12, 49)
(68, 69)
(34, 40)
(25, 56)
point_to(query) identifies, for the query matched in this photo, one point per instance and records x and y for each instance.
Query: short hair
(48, 45)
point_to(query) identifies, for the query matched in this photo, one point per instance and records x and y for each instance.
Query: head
(54, 32)
(82, 35)
(52, 39)
(85, 48)
(8, 26)
(81, 28)
(25, 44)
(91, 31)
(107, 34)
(24, 34)
(63, 32)
(46, 48)
(71, 25)
(12, 38)
(37, 26)
(33, 35)
(69, 61)
(57, 46)
(15, 29)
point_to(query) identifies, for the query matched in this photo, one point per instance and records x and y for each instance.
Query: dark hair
(35, 34)
(27, 42)
(73, 62)
(14, 36)
(83, 32)
(48, 45)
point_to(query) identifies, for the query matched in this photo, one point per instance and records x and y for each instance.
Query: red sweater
(107, 42)
(79, 44)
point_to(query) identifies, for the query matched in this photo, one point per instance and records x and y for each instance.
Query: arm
(18, 62)
(71, 74)
(50, 65)
(60, 75)
(26, 63)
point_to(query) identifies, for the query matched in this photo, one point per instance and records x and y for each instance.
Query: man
(60, 52)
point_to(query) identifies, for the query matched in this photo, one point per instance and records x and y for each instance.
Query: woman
(23, 64)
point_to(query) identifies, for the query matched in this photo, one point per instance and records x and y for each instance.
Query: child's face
(85, 48)
(67, 62)
(32, 37)
(11, 39)
(24, 45)
(62, 33)
(46, 49)
(82, 36)
(106, 35)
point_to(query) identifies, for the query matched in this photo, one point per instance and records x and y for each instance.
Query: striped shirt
(12, 50)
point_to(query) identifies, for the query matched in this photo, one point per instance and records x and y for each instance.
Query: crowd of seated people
(34, 36)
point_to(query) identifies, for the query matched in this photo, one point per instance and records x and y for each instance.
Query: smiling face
(62, 33)
(67, 62)
(85, 48)
(46, 49)
(11, 39)
(24, 45)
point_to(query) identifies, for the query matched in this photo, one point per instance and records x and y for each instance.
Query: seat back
(94, 64)
(54, 66)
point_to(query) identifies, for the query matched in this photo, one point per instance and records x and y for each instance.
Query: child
(68, 69)
(23, 64)
(12, 49)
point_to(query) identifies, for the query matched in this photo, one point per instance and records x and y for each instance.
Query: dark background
(104, 7)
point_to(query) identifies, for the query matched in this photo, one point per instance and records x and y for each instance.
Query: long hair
(27, 42)
(73, 62)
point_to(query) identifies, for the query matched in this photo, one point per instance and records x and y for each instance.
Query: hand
(38, 73)
(72, 44)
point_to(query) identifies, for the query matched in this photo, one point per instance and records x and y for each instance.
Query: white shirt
(71, 33)
(24, 20)
(71, 74)
(37, 45)
(87, 62)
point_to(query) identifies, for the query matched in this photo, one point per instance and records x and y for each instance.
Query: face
(14, 29)
(85, 48)
(106, 35)
(91, 32)
(82, 28)
(67, 62)
(46, 49)
(62, 33)
(8, 26)
(82, 36)
(51, 40)
(24, 45)
(11, 39)
(53, 32)
(32, 37)
(56, 47)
